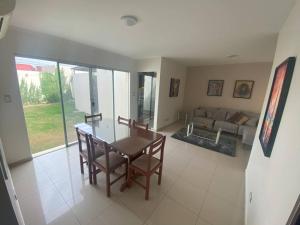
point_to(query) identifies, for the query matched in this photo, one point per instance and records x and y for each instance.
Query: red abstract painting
(275, 107)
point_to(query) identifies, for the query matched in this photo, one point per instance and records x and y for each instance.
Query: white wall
(18, 41)
(121, 90)
(197, 82)
(275, 181)
(81, 91)
(168, 107)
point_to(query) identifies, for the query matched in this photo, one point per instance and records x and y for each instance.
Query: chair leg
(94, 174)
(126, 171)
(147, 187)
(159, 175)
(81, 164)
(129, 176)
(91, 172)
(108, 184)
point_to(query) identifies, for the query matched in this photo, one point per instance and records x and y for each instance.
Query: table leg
(127, 183)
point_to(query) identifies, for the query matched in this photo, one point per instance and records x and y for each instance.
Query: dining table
(125, 139)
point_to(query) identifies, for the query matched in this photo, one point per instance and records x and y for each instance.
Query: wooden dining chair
(90, 118)
(148, 164)
(140, 125)
(85, 152)
(122, 120)
(107, 163)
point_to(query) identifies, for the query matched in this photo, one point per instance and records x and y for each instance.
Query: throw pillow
(243, 119)
(235, 117)
(200, 113)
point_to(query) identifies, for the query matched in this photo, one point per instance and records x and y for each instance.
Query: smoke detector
(129, 20)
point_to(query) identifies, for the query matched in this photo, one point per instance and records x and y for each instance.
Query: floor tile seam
(93, 218)
(180, 203)
(207, 192)
(152, 212)
(234, 205)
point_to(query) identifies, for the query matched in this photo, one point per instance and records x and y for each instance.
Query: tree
(24, 91)
(50, 87)
(34, 94)
(66, 87)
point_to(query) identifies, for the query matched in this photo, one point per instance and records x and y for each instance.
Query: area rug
(226, 145)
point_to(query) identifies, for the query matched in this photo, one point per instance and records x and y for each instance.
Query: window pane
(103, 92)
(121, 95)
(76, 96)
(39, 89)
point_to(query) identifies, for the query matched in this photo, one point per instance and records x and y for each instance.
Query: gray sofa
(215, 118)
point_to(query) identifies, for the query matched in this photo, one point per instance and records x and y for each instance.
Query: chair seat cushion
(115, 160)
(98, 152)
(142, 162)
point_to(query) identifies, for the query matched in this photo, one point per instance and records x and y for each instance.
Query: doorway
(146, 97)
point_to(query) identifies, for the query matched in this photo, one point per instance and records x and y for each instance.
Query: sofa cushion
(200, 113)
(219, 115)
(215, 114)
(210, 113)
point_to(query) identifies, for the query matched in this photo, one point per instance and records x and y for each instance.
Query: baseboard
(162, 128)
(17, 163)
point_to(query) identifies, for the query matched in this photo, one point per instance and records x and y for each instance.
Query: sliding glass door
(56, 96)
(40, 93)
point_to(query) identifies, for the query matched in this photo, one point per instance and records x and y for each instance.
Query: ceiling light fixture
(129, 20)
(232, 56)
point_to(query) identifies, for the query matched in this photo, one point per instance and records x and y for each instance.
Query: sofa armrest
(248, 135)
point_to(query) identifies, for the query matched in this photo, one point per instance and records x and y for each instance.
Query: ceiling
(194, 32)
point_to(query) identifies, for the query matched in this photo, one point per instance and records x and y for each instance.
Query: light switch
(7, 98)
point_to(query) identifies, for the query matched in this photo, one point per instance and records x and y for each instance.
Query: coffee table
(190, 131)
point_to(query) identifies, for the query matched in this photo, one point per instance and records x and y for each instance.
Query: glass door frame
(90, 67)
(152, 75)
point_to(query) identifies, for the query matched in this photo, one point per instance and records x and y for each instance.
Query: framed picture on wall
(278, 95)
(215, 87)
(174, 87)
(243, 89)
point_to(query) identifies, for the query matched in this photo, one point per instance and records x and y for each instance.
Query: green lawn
(45, 125)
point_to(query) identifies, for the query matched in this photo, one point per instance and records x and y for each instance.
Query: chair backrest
(140, 125)
(90, 118)
(82, 137)
(97, 143)
(155, 148)
(124, 121)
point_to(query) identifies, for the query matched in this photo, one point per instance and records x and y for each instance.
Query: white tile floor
(199, 187)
